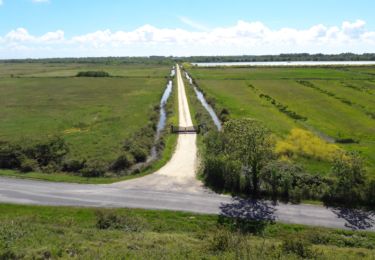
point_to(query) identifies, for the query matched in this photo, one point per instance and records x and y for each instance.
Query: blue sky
(27, 21)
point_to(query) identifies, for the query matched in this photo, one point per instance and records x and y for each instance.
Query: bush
(350, 186)
(370, 196)
(92, 74)
(224, 115)
(224, 240)
(123, 162)
(46, 156)
(346, 141)
(28, 165)
(139, 153)
(10, 156)
(73, 165)
(222, 174)
(94, 168)
(298, 247)
(288, 181)
(111, 220)
(304, 143)
(52, 150)
(213, 172)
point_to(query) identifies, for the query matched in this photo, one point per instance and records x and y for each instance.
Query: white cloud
(40, 1)
(241, 38)
(1, 2)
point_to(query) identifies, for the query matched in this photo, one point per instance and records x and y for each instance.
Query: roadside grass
(63, 232)
(239, 90)
(94, 116)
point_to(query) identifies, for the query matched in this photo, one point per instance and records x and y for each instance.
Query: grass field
(340, 104)
(61, 232)
(70, 70)
(93, 115)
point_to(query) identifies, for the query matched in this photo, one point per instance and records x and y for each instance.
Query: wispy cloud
(1, 2)
(193, 24)
(241, 38)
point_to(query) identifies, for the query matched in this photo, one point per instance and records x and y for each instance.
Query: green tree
(248, 141)
(351, 177)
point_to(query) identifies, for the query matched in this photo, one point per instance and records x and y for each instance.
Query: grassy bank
(94, 116)
(63, 232)
(333, 103)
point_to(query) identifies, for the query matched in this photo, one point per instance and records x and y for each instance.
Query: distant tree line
(99, 60)
(285, 57)
(168, 60)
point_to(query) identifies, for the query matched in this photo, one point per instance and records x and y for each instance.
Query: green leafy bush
(28, 165)
(92, 74)
(94, 168)
(113, 220)
(123, 162)
(298, 247)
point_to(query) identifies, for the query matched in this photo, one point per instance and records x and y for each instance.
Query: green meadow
(334, 103)
(93, 115)
(37, 232)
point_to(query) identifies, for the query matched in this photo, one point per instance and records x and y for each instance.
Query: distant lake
(283, 63)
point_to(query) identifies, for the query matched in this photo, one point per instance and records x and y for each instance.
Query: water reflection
(204, 103)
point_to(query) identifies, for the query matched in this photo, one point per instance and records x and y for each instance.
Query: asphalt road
(175, 188)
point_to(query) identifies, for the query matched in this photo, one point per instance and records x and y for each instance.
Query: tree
(351, 177)
(248, 141)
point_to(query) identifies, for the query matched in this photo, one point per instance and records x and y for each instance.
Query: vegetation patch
(241, 159)
(283, 108)
(94, 74)
(238, 88)
(35, 232)
(326, 92)
(304, 143)
(105, 126)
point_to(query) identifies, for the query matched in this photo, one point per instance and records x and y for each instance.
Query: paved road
(174, 187)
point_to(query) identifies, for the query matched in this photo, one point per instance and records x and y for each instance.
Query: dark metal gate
(184, 129)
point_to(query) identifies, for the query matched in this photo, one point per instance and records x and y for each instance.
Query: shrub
(9, 156)
(349, 170)
(224, 240)
(213, 172)
(52, 150)
(94, 168)
(92, 74)
(224, 115)
(139, 153)
(346, 141)
(370, 196)
(73, 165)
(304, 143)
(298, 247)
(28, 165)
(111, 220)
(123, 162)
(288, 181)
